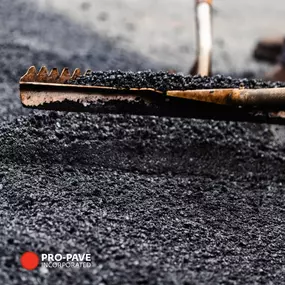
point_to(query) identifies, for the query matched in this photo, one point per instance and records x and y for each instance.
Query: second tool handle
(204, 36)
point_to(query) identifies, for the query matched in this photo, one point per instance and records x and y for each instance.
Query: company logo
(30, 260)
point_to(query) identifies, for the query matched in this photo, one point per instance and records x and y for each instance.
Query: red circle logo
(30, 260)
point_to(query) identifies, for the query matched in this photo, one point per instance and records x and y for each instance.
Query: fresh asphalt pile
(153, 200)
(164, 81)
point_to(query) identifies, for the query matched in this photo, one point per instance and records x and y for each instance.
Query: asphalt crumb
(164, 81)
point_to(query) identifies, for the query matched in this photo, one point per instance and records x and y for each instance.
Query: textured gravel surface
(164, 81)
(155, 201)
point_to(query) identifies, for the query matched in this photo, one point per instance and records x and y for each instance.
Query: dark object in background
(269, 49)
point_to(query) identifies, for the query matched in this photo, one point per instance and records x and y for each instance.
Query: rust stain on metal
(53, 76)
(216, 96)
(31, 98)
(266, 98)
(37, 89)
(42, 76)
(76, 73)
(30, 75)
(210, 2)
(64, 76)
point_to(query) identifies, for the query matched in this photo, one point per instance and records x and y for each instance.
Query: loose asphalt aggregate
(164, 81)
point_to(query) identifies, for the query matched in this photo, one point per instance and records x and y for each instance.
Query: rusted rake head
(51, 90)
(53, 76)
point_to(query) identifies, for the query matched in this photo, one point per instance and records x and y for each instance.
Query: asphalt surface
(154, 201)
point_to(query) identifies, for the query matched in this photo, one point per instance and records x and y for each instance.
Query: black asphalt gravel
(153, 200)
(164, 81)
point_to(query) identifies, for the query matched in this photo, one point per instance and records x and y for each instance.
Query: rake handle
(267, 98)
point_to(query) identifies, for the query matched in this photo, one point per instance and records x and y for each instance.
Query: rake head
(54, 90)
